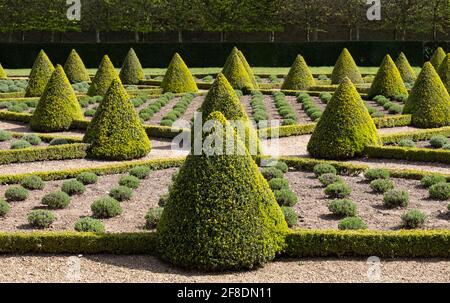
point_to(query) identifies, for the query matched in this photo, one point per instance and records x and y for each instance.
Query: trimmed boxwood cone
(406, 71)
(178, 78)
(346, 67)
(299, 77)
(3, 74)
(222, 98)
(58, 106)
(237, 75)
(345, 128)
(220, 214)
(40, 75)
(429, 101)
(438, 57)
(388, 81)
(444, 72)
(105, 75)
(116, 132)
(75, 70)
(131, 72)
(236, 51)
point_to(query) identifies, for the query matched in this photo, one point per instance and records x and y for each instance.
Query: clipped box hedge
(60, 152)
(383, 244)
(109, 169)
(418, 135)
(299, 243)
(392, 121)
(409, 154)
(287, 131)
(77, 243)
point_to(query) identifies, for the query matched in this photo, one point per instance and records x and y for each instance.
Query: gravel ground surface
(160, 149)
(157, 117)
(131, 220)
(23, 128)
(302, 117)
(141, 269)
(289, 146)
(313, 212)
(6, 145)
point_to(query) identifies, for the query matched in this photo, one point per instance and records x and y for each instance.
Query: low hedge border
(384, 244)
(287, 131)
(419, 135)
(345, 168)
(392, 121)
(313, 93)
(59, 152)
(307, 164)
(200, 85)
(15, 117)
(152, 130)
(299, 243)
(78, 243)
(408, 154)
(48, 138)
(12, 95)
(110, 169)
(23, 99)
(307, 129)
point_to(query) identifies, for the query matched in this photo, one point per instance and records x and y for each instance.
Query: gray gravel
(120, 269)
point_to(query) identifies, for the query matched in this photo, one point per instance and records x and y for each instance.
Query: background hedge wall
(214, 54)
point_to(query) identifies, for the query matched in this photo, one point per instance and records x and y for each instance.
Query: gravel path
(192, 108)
(271, 110)
(23, 128)
(157, 117)
(122, 269)
(161, 149)
(297, 147)
(302, 117)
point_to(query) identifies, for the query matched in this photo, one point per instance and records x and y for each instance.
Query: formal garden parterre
(351, 164)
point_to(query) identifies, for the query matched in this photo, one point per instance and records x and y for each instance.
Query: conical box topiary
(299, 76)
(131, 72)
(105, 75)
(178, 78)
(438, 57)
(429, 101)
(345, 128)
(388, 82)
(40, 74)
(75, 70)
(221, 214)
(346, 67)
(444, 72)
(248, 68)
(116, 132)
(222, 98)
(3, 74)
(237, 75)
(58, 106)
(406, 71)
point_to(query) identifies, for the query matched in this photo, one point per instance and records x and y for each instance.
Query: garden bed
(131, 220)
(313, 204)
